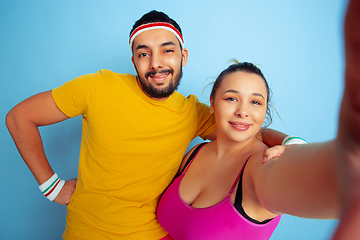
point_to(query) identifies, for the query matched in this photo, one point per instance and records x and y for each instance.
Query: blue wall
(298, 45)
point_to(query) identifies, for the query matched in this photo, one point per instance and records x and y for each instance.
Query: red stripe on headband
(155, 24)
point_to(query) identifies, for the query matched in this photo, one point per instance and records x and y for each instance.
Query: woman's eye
(256, 102)
(230, 99)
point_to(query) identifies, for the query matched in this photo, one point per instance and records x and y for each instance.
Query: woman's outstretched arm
(322, 180)
(349, 129)
(303, 181)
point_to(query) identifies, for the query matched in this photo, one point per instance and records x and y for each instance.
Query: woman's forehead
(243, 82)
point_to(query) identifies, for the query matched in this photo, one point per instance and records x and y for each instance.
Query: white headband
(156, 25)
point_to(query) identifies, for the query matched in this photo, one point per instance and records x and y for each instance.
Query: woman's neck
(225, 146)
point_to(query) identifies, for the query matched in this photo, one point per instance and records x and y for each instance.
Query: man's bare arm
(22, 122)
(272, 137)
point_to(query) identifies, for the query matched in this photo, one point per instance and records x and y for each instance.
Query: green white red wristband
(52, 187)
(290, 140)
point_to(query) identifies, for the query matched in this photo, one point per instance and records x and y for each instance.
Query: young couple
(125, 165)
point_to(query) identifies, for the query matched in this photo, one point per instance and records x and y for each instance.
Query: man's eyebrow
(235, 91)
(141, 47)
(168, 43)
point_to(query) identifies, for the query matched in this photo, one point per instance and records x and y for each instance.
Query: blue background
(298, 44)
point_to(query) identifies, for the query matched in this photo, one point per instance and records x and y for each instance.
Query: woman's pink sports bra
(220, 221)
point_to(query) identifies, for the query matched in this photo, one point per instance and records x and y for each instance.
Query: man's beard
(154, 92)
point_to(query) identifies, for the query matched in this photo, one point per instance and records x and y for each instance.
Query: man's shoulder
(190, 99)
(110, 73)
(189, 102)
(111, 78)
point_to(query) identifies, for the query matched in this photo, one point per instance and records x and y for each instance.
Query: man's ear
(132, 59)
(185, 55)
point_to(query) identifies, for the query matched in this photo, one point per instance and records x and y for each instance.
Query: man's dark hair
(155, 16)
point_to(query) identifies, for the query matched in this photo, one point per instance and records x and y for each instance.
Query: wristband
(290, 140)
(52, 187)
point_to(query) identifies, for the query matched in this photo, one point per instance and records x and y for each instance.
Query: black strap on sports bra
(191, 157)
(238, 201)
(187, 163)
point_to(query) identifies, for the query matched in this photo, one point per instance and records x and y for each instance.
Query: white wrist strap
(52, 187)
(290, 140)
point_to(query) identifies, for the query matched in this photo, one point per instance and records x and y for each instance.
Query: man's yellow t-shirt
(131, 148)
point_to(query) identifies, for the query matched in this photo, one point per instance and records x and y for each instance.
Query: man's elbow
(13, 120)
(10, 120)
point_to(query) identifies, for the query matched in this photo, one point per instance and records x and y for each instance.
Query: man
(135, 131)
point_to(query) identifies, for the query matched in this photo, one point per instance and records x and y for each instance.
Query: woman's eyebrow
(236, 91)
(231, 91)
(259, 94)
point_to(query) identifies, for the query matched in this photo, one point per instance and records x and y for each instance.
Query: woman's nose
(241, 111)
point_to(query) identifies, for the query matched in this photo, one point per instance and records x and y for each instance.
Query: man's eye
(143, 55)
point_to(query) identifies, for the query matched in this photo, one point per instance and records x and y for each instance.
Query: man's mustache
(151, 73)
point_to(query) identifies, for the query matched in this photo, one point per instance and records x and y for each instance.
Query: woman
(207, 201)
(216, 196)
(225, 192)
